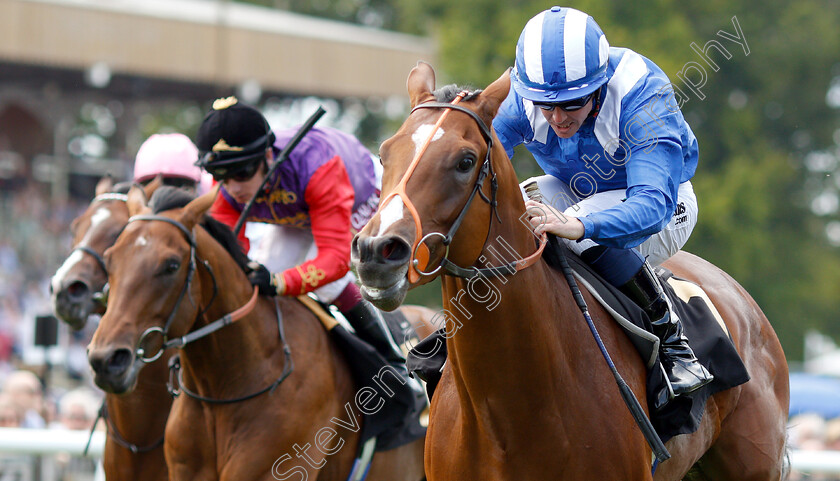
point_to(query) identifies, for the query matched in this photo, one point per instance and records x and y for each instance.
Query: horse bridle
(101, 296)
(164, 331)
(227, 319)
(486, 171)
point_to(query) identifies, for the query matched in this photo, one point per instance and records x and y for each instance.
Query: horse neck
(224, 360)
(140, 417)
(509, 339)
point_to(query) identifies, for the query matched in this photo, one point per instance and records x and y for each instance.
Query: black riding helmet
(232, 139)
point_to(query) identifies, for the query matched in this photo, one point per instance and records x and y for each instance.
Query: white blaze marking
(101, 215)
(422, 133)
(141, 241)
(68, 264)
(390, 214)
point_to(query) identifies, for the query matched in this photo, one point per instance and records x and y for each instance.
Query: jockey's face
(243, 190)
(566, 124)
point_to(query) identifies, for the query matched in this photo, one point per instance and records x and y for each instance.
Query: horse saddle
(397, 421)
(702, 324)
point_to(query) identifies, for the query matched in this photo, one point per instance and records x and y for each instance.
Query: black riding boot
(683, 370)
(369, 325)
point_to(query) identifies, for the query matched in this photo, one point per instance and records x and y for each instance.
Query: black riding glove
(260, 277)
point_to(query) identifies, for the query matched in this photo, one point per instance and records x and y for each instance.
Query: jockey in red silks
(303, 221)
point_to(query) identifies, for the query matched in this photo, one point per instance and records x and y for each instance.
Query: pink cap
(172, 155)
(206, 184)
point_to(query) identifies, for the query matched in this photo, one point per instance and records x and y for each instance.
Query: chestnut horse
(136, 421)
(526, 394)
(168, 275)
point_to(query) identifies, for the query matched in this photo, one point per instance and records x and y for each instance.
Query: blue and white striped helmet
(562, 54)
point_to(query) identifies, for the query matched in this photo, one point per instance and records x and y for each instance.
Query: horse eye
(172, 266)
(466, 163)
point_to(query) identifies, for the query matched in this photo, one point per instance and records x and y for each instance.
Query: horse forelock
(168, 198)
(121, 188)
(447, 93)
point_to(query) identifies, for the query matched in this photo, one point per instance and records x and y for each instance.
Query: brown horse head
(153, 290)
(77, 283)
(438, 185)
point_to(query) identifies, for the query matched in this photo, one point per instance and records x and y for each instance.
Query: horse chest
(543, 447)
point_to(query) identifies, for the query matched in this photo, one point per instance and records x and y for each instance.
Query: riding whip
(656, 445)
(284, 154)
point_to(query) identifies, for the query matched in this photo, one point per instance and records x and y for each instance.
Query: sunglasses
(569, 106)
(239, 174)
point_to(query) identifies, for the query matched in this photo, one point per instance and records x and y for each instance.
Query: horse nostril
(119, 361)
(354, 248)
(360, 248)
(77, 290)
(111, 363)
(395, 250)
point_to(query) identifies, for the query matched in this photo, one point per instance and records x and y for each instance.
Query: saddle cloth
(702, 325)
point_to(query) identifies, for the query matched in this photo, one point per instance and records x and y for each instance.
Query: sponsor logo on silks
(679, 214)
(360, 217)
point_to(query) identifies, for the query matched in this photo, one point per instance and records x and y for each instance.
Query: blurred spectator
(77, 409)
(832, 435)
(11, 415)
(24, 388)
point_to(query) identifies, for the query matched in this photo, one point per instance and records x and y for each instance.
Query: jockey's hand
(268, 284)
(545, 218)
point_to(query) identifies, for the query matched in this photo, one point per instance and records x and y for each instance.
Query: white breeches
(657, 249)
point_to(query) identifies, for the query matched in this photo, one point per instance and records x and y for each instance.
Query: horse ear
(420, 83)
(495, 93)
(136, 200)
(195, 210)
(105, 185)
(152, 186)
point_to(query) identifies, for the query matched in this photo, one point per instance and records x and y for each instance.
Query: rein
(420, 252)
(175, 372)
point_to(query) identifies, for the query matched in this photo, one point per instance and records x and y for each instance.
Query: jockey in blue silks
(604, 124)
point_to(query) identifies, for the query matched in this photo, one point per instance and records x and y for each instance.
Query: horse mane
(447, 93)
(167, 198)
(121, 188)
(224, 236)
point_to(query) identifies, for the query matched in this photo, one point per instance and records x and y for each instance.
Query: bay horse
(136, 421)
(525, 392)
(256, 394)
